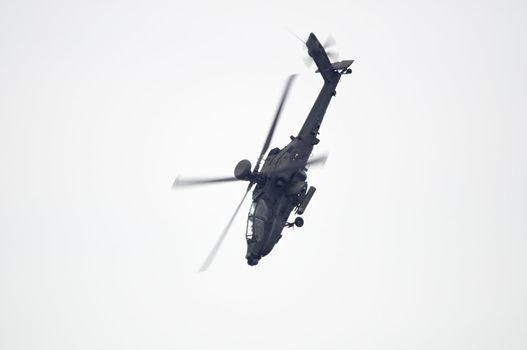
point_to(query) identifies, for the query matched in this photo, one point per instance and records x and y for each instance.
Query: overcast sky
(415, 239)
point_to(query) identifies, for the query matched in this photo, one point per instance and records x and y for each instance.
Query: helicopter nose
(252, 261)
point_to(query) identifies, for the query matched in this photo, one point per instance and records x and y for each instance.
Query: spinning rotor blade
(318, 160)
(179, 182)
(315, 161)
(330, 41)
(275, 121)
(308, 61)
(216, 247)
(332, 55)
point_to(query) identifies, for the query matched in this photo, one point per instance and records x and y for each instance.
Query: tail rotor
(333, 55)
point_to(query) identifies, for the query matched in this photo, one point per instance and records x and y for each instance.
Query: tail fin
(328, 71)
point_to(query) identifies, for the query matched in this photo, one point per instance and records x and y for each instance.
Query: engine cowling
(243, 170)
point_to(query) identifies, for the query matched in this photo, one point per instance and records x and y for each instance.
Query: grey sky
(415, 239)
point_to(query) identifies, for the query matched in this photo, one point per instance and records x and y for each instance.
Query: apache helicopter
(281, 185)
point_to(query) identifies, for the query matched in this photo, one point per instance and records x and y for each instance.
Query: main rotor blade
(216, 247)
(275, 121)
(179, 182)
(318, 160)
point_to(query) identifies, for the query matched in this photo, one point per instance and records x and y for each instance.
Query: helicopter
(280, 186)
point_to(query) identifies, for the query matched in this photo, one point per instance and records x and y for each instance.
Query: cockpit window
(256, 220)
(253, 209)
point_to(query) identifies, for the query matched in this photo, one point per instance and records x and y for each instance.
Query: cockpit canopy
(258, 215)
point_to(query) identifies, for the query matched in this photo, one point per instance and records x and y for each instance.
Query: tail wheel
(299, 222)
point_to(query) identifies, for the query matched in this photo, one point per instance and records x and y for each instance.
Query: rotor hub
(243, 170)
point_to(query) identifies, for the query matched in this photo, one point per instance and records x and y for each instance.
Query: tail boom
(331, 72)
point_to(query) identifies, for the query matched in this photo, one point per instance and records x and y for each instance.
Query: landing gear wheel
(299, 222)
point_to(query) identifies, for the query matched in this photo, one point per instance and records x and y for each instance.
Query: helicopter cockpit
(257, 217)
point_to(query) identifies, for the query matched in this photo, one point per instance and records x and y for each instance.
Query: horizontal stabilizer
(339, 66)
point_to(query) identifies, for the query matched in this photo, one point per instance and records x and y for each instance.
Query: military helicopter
(281, 185)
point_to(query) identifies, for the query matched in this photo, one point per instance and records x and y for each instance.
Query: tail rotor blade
(275, 121)
(216, 247)
(332, 55)
(330, 41)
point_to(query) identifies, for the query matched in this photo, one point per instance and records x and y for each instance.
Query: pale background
(415, 239)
